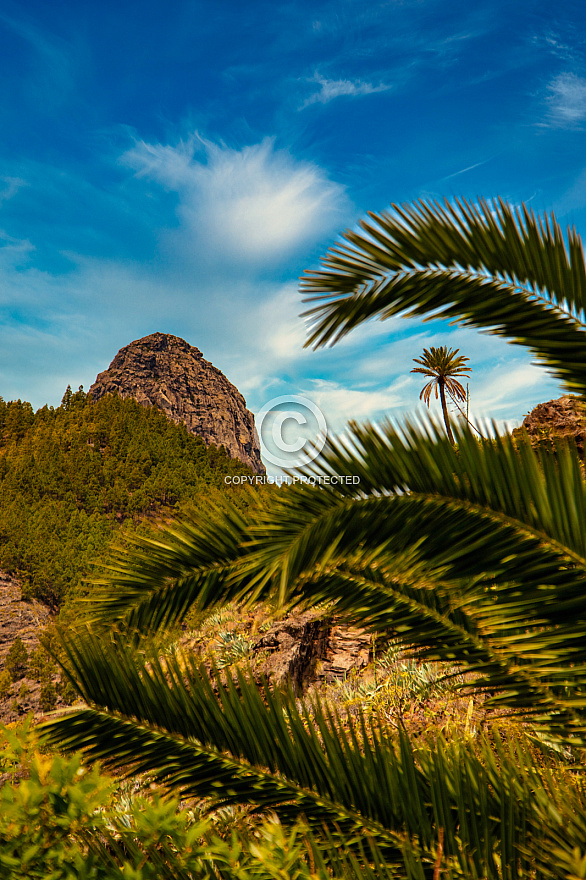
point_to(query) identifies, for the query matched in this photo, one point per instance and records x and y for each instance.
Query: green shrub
(66, 691)
(42, 816)
(48, 696)
(5, 684)
(61, 821)
(17, 659)
(40, 665)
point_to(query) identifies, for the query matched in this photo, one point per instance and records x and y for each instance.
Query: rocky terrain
(26, 621)
(303, 649)
(18, 618)
(166, 372)
(564, 418)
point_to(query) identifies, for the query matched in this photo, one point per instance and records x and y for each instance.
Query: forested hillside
(72, 476)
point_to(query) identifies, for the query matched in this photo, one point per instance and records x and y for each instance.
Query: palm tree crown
(442, 365)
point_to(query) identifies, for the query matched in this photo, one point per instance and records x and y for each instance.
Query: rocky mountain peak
(165, 371)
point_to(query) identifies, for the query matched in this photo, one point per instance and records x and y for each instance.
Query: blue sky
(176, 166)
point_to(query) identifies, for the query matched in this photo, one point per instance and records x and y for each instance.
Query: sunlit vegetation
(70, 477)
(459, 751)
(60, 820)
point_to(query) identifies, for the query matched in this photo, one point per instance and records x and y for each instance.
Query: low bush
(17, 660)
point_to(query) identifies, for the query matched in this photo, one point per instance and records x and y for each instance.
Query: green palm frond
(192, 564)
(229, 742)
(520, 495)
(442, 361)
(488, 266)
(442, 365)
(474, 555)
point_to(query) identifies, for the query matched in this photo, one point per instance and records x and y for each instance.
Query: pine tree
(66, 399)
(17, 659)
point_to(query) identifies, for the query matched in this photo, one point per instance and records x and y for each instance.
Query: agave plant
(474, 554)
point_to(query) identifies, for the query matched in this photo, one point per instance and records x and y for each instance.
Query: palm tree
(474, 555)
(442, 365)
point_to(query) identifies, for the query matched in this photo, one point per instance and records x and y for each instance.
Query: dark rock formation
(295, 644)
(349, 649)
(166, 372)
(306, 648)
(561, 419)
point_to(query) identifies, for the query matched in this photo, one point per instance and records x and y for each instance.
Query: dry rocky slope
(166, 372)
(27, 621)
(561, 419)
(18, 618)
(302, 650)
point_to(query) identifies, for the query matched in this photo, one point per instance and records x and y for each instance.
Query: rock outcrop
(18, 618)
(561, 419)
(295, 646)
(166, 372)
(24, 620)
(306, 648)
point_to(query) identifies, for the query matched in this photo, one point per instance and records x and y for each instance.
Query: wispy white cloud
(9, 186)
(556, 44)
(13, 251)
(573, 198)
(211, 281)
(264, 340)
(501, 388)
(254, 205)
(340, 403)
(329, 89)
(567, 100)
(282, 331)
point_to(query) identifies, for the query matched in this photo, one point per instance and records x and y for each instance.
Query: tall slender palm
(442, 365)
(474, 555)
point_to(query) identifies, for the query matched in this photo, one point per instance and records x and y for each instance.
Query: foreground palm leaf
(188, 565)
(488, 266)
(474, 554)
(350, 782)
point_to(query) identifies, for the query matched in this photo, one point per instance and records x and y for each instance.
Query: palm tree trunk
(445, 412)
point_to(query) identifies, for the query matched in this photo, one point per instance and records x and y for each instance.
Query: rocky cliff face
(167, 372)
(564, 418)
